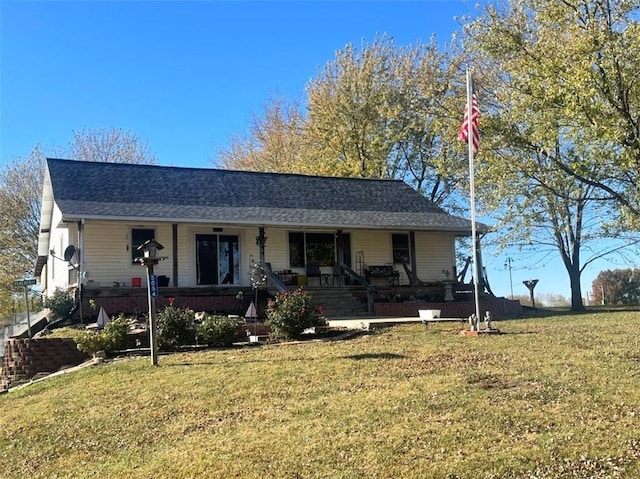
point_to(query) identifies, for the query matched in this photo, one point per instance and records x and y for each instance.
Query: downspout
(413, 259)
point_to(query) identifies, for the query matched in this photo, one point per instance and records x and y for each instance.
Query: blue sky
(183, 75)
(186, 75)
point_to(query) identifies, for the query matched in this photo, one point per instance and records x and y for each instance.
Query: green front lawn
(553, 398)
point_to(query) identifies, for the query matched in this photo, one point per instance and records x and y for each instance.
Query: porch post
(261, 240)
(340, 248)
(175, 254)
(412, 253)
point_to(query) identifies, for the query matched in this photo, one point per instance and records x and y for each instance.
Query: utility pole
(507, 264)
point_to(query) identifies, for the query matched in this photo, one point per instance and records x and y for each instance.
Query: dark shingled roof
(143, 192)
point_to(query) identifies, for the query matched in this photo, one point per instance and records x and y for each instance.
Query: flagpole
(472, 202)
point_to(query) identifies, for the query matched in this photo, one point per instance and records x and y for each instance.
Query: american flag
(463, 134)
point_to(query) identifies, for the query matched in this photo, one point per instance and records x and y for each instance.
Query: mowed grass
(553, 397)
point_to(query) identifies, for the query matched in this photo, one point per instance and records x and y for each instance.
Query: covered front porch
(337, 300)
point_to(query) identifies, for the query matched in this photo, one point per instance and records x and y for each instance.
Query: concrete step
(338, 302)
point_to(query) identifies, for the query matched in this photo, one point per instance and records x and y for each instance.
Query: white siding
(61, 236)
(376, 246)
(277, 249)
(107, 257)
(186, 257)
(435, 252)
(107, 247)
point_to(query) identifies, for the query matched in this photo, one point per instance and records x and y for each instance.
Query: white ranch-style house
(316, 232)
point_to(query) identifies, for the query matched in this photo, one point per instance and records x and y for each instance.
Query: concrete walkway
(38, 378)
(365, 322)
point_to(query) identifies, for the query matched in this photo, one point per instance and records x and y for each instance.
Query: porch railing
(274, 279)
(357, 278)
(360, 279)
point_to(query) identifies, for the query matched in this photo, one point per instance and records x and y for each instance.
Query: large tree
(426, 154)
(378, 111)
(353, 108)
(577, 61)
(535, 130)
(274, 142)
(21, 189)
(112, 145)
(618, 286)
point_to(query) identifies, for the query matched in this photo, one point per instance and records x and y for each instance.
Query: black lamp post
(150, 249)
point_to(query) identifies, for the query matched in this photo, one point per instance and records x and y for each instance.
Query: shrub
(115, 334)
(290, 314)
(60, 303)
(90, 342)
(175, 327)
(112, 338)
(217, 331)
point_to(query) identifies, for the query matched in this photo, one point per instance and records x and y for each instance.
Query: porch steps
(337, 302)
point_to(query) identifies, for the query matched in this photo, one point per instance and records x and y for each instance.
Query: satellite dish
(69, 252)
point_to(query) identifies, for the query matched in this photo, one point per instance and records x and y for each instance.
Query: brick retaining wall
(25, 358)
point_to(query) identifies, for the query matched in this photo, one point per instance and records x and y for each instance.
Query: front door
(217, 259)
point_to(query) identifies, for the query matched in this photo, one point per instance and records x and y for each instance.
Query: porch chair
(313, 271)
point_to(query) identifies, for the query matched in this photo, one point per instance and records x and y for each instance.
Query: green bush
(175, 327)
(90, 342)
(115, 334)
(60, 303)
(217, 331)
(112, 338)
(290, 314)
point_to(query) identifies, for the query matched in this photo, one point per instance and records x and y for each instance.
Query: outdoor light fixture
(150, 248)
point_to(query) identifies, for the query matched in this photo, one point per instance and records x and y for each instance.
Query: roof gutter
(346, 226)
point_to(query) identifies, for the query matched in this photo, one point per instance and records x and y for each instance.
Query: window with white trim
(138, 237)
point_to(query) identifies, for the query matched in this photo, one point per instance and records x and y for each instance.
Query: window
(296, 250)
(311, 247)
(400, 247)
(321, 248)
(138, 237)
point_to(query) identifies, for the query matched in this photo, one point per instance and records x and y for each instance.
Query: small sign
(24, 282)
(153, 285)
